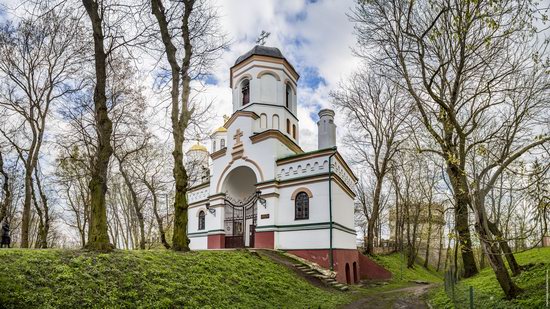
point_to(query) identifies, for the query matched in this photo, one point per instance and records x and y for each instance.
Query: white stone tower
(326, 129)
(265, 83)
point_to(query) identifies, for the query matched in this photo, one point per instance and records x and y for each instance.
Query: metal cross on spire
(263, 36)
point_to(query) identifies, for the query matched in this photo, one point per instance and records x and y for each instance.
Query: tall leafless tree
(192, 39)
(376, 115)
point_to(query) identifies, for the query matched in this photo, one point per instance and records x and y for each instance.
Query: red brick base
(346, 263)
(371, 270)
(216, 241)
(264, 240)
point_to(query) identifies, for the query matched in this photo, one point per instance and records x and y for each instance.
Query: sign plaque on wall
(264, 216)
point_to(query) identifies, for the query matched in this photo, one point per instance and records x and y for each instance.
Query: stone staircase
(327, 280)
(311, 271)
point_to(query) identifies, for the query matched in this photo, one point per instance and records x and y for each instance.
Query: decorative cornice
(198, 187)
(218, 154)
(306, 226)
(237, 114)
(276, 134)
(306, 180)
(284, 62)
(306, 155)
(316, 154)
(249, 105)
(346, 166)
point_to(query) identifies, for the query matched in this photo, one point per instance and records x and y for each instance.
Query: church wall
(306, 239)
(198, 242)
(342, 207)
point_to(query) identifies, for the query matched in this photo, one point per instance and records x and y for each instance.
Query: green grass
(487, 292)
(397, 266)
(153, 279)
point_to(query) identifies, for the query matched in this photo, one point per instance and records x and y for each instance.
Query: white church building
(257, 188)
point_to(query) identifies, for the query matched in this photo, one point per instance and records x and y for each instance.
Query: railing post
(547, 288)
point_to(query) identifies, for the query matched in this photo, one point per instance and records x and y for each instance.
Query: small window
(201, 220)
(245, 90)
(301, 206)
(288, 126)
(288, 96)
(294, 131)
(213, 146)
(222, 143)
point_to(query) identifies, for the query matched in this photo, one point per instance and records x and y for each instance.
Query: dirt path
(408, 297)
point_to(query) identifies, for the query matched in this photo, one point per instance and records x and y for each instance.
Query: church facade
(257, 188)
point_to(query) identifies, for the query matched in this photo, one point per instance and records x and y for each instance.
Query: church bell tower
(264, 82)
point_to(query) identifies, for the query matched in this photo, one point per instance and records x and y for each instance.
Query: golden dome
(221, 130)
(198, 147)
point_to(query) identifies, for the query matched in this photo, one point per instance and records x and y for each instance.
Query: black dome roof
(262, 51)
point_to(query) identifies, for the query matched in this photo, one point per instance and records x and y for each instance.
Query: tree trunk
(440, 249)
(135, 204)
(511, 290)
(514, 266)
(26, 213)
(7, 192)
(98, 236)
(374, 216)
(156, 213)
(428, 238)
(43, 214)
(462, 200)
(180, 241)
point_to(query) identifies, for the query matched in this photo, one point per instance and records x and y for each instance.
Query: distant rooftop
(262, 51)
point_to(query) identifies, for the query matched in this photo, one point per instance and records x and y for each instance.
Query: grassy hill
(156, 278)
(397, 266)
(487, 292)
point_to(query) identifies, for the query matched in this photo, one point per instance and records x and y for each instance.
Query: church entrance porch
(240, 211)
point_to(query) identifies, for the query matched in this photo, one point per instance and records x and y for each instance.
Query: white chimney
(326, 129)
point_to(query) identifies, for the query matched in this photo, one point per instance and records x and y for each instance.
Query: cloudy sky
(315, 36)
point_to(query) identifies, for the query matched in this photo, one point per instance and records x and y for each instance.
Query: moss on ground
(487, 292)
(397, 266)
(153, 279)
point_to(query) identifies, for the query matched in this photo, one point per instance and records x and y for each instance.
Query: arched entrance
(348, 275)
(240, 207)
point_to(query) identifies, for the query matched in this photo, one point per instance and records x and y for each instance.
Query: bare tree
(191, 38)
(376, 115)
(478, 84)
(37, 57)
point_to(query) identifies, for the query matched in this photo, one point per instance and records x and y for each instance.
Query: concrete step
(341, 287)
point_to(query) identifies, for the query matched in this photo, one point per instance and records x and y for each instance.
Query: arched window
(263, 121)
(275, 122)
(288, 98)
(245, 90)
(222, 143)
(301, 206)
(201, 220)
(288, 126)
(294, 131)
